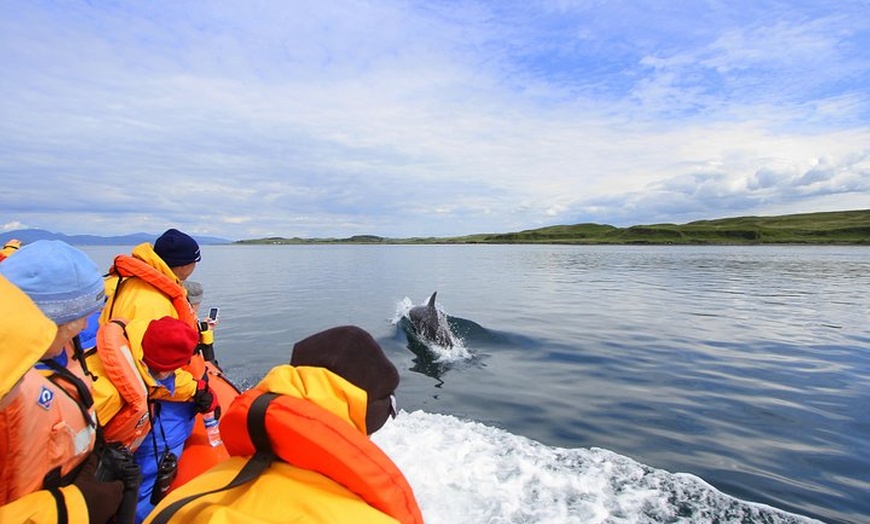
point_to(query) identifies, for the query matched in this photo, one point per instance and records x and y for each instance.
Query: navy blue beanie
(177, 248)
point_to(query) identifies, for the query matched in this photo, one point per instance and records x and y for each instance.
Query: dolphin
(430, 323)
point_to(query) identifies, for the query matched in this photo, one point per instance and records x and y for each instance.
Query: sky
(256, 118)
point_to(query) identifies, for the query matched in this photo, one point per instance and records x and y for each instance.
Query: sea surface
(590, 384)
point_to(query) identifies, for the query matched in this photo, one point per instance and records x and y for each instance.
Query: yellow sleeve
(42, 507)
(185, 386)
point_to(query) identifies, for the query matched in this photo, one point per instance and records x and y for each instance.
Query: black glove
(205, 400)
(101, 498)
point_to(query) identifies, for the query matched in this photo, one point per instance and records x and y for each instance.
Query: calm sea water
(591, 384)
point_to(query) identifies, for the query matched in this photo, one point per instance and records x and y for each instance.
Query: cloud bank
(435, 118)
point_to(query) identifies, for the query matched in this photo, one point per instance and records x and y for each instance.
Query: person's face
(381, 411)
(183, 272)
(65, 333)
(161, 375)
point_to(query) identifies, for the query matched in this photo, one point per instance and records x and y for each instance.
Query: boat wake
(468, 472)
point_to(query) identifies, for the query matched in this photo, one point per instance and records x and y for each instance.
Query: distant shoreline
(830, 228)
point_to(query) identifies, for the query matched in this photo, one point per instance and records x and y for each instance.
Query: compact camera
(166, 473)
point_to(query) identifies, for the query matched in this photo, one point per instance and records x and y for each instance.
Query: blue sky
(255, 118)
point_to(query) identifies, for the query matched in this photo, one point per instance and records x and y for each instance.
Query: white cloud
(438, 119)
(13, 226)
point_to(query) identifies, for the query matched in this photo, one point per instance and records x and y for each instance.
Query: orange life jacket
(131, 424)
(307, 436)
(41, 411)
(126, 266)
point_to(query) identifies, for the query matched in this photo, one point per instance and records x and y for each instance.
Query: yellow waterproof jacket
(138, 300)
(25, 335)
(327, 470)
(107, 398)
(42, 507)
(10, 248)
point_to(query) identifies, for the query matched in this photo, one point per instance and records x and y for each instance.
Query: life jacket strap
(60, 506)
(253, 468)
(121, 281)
(79, 354)
(83, 398)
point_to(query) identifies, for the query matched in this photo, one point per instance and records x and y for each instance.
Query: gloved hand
(205, 399)
(101, 498)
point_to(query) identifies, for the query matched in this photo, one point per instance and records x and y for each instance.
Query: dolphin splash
(431, 323)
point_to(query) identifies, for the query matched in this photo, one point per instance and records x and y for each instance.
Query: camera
(166, 473)
(213, 313)
(116, 462)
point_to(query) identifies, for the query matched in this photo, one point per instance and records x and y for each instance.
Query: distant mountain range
(27, 236)
(836, 227)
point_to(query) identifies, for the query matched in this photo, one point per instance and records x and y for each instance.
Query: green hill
(839, 227)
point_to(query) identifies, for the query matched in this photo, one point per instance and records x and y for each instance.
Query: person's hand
(101, 498)
(205, 399)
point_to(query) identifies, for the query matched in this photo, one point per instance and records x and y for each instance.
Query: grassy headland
(839, 227)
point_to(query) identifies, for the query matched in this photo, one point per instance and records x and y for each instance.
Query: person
(137, 363)
(68, 287)
(47, 424)
(141, 361)
(300, 447)
(194, 294)
(12, 245)
(206, 326)
(166, 346)
(147, 284)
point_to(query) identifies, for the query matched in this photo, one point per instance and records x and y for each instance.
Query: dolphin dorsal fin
(432, 299)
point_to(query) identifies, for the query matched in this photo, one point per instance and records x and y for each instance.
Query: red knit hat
(168, 344)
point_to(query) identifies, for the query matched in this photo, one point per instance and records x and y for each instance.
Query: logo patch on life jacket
(46, 396)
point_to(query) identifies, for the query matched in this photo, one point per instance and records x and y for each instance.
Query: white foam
(403, 307)
(466, 472)
(447, 355)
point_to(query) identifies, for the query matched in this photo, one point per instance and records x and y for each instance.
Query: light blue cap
(62, 280)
